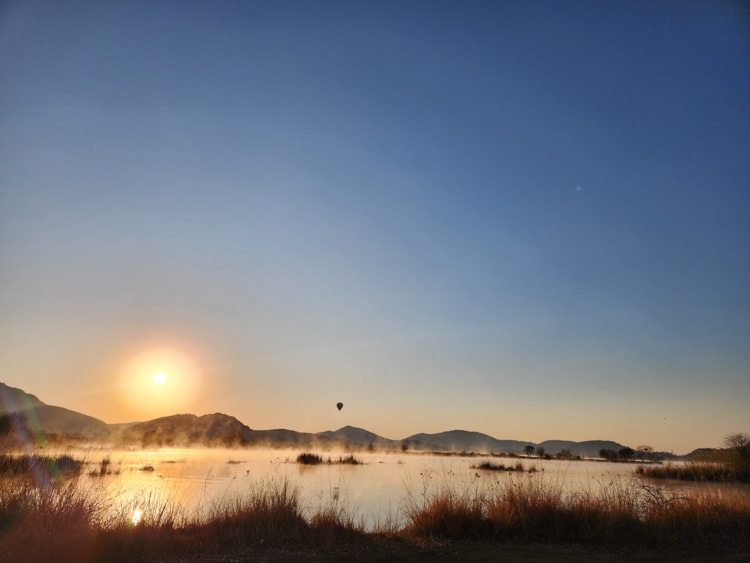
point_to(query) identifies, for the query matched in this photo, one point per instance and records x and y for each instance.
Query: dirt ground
(472, 552)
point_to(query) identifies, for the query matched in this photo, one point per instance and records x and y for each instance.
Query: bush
(307, 458)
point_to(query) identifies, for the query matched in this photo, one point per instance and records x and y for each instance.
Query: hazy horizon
(530, 220)
(199, 443)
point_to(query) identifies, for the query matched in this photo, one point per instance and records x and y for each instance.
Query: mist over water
(192, 481)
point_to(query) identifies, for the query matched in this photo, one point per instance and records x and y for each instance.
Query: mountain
(462, 440)
(213, 430)
(222, 430)
(588, 448)
(352, 436)
(189, 430)
(281, 437)
(50, 419)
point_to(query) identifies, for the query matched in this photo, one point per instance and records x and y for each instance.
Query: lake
(188, 481)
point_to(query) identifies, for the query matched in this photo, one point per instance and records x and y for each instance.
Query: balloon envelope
(339, 406)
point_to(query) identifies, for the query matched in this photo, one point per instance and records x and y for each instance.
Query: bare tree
(739, 450)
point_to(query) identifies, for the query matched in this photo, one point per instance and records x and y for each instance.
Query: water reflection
(184, 484)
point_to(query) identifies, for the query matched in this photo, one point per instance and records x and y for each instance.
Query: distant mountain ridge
(590, 448)
(51, 419)
(222, 430)
(463, 440)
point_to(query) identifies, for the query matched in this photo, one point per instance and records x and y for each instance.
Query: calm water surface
(191, 481)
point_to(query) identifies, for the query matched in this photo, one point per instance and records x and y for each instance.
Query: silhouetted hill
(283, 438)
(358, 437)
(588, 448)
(222, 430)
(13, 399)
(189, 430)
(50, 419)
(702, 454)
(213, 430)
(463, 440)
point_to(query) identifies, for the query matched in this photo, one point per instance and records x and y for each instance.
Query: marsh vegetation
(84, 520)
(695, 471)
(307, 458)
(728, 465)
(492, 466)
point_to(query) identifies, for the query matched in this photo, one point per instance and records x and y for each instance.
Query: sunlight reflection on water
(186, 483)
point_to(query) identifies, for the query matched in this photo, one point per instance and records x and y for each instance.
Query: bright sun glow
(148, 391)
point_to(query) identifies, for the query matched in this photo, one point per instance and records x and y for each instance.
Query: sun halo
(158, 382)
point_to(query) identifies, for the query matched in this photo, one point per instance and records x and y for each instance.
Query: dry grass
(698, 471)
(74, 520)
(491, 466)
(307, 458)
(531, 509)
(40, 467)
(41, 523)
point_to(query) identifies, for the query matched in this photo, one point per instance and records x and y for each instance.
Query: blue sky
(525, 219)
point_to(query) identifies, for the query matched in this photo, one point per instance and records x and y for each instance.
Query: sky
(527, 219)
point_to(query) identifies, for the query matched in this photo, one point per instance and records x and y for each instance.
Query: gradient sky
(526, 219)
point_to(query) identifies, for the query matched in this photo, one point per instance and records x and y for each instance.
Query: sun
(159, 382)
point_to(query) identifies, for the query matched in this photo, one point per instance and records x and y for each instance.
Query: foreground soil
(472, 551)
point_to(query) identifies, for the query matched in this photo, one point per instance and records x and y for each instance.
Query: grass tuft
(307, 458)
(75, 520)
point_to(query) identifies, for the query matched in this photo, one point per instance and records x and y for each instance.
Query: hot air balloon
(339, 406)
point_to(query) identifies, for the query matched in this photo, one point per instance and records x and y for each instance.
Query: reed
(491, 466)
(307, 458)
(39, 523)
(349, 460)
(36, 466)
(697, 471)
(76, 520)
(531, 509)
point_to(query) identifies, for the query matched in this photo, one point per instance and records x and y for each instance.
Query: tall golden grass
(533, 509)
(698, 471)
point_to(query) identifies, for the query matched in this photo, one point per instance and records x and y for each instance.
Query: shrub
(490, 466)
(307, 458)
